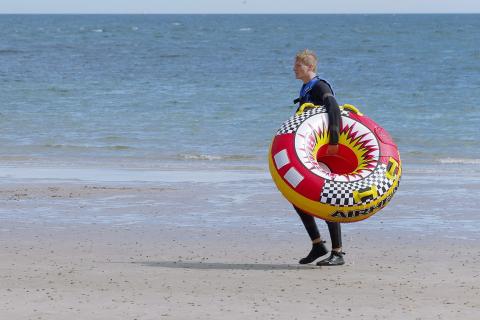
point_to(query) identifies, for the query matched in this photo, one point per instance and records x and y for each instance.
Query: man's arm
(333, 117)
(323, 95)
(333, 122)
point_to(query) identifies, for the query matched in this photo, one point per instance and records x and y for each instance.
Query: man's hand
(332, 149)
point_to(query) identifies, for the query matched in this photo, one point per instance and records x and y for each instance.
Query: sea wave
(9, 51)
(208, 157)
(79, 147)
(458, 161)
(169, 55)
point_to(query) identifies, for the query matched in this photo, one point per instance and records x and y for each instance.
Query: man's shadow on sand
(200, 265)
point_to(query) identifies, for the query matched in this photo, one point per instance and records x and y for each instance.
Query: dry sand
(74, 250)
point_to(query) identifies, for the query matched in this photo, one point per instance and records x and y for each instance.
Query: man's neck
(309, 77)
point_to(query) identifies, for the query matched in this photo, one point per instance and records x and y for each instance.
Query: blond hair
(308, 58)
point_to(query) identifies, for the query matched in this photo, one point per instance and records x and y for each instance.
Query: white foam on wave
(210, 157)
(245, 29)
(200, 157)
(458, 161)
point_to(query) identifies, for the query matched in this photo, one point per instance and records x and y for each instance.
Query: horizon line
(231, 13)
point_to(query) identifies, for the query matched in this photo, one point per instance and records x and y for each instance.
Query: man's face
(301, 70)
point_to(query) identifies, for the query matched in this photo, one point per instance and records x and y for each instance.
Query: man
(319, 92)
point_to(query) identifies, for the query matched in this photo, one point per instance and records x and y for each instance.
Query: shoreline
(426, 201)
(129, 175)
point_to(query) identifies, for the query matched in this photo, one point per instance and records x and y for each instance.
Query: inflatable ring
(352, 185)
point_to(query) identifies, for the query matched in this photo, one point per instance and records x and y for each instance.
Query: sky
(239, 6)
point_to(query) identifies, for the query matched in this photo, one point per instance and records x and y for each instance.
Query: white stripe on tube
(281, 159)
(293, 177)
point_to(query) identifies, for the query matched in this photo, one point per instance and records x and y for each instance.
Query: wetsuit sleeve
(333, 118)
(323, 95)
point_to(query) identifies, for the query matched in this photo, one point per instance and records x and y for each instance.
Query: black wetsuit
(320, 93)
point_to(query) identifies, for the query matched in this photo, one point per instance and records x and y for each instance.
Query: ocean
(186, 89)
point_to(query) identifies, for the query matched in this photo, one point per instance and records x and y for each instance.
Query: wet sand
(98, 250)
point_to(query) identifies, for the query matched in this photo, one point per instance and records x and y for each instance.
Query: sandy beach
(167, 250)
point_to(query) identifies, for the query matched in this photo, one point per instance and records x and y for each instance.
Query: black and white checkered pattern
(337, 194)
(292, 124)
(341, 193)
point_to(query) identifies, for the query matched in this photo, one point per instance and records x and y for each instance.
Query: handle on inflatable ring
(352, 108)
(305, 105)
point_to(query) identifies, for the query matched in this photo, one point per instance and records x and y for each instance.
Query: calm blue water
(188, 88)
